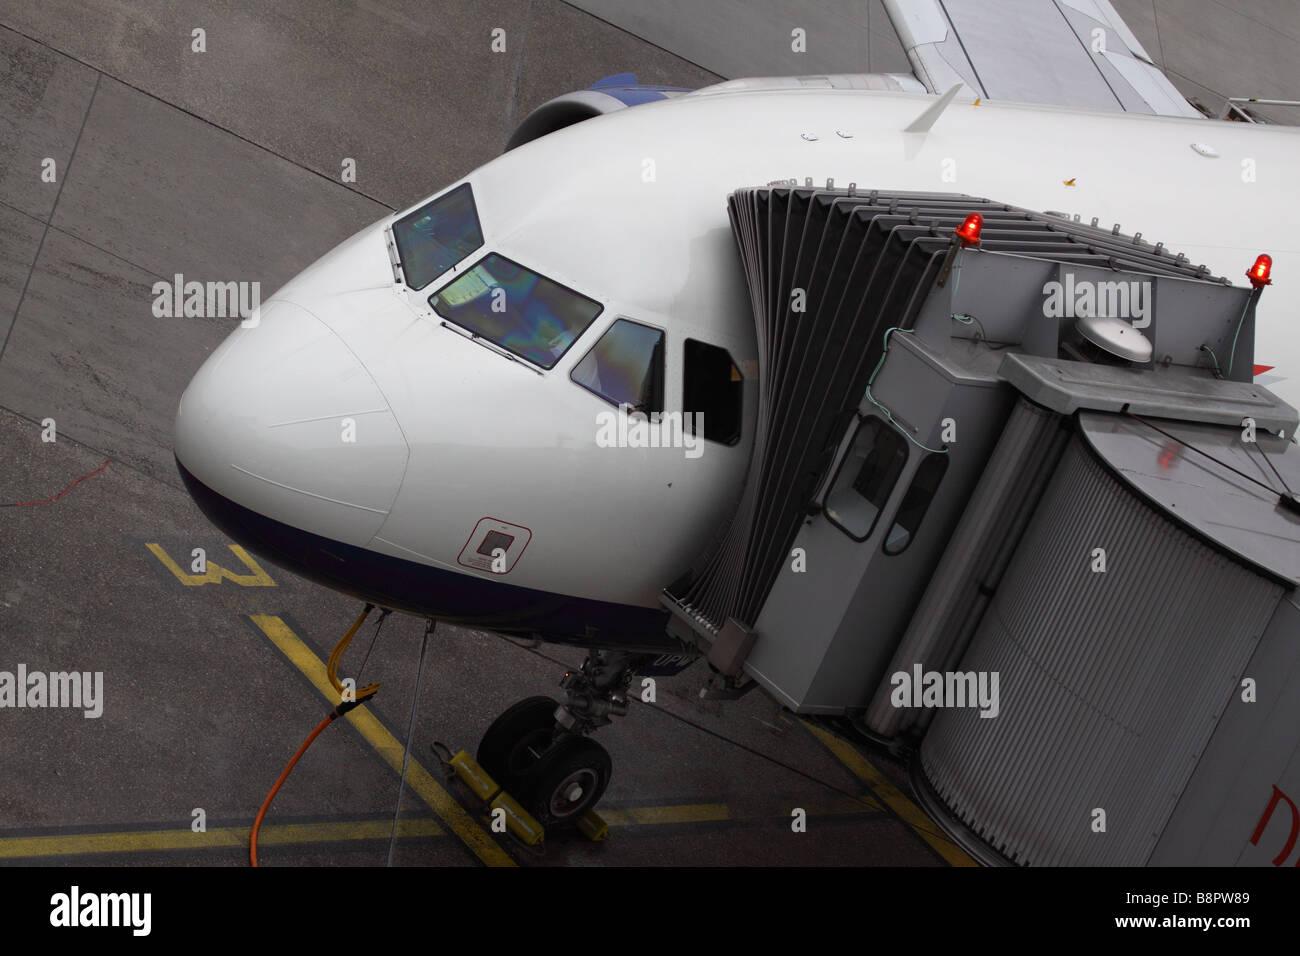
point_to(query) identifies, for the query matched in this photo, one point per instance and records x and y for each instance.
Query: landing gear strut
(538, 749)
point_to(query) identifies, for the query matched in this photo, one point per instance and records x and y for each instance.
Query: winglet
(923, 122)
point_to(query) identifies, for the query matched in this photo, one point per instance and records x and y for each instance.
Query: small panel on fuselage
(490, 536)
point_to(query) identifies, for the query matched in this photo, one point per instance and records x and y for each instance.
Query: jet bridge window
(626, 366)
(436, 236)
(916, 502)
(517, 309)
(866, 478)
(712, 387)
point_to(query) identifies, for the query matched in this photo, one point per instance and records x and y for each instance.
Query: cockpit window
(437, 236)
(626, 366)
(517, 309)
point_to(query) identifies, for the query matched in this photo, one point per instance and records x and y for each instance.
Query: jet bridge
(1035, 464)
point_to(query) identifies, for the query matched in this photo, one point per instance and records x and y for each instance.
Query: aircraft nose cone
(284, 420)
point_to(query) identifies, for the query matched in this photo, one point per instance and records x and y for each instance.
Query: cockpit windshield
(438, 235)
(517, 309)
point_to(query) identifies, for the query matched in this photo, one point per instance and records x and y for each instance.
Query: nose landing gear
(538, 749)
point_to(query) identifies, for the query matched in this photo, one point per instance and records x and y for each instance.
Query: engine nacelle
(616, 92)
(620, 91)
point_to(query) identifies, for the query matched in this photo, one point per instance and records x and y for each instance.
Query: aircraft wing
(1076, 53)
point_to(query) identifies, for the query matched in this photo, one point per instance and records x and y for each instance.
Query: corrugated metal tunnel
(1111, 683)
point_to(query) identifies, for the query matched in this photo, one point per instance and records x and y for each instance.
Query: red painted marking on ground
(46, 501)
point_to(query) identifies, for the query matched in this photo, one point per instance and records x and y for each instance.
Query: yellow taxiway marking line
(717, 812)
(144, 841)
(683, 813)
(893, 798)
(456, 817)
(287, 834)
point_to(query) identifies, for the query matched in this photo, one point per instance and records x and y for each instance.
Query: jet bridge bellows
(827, 275)
(1080, 519)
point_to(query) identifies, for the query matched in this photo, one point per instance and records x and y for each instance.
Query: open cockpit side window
(436, 236)
(712, 387)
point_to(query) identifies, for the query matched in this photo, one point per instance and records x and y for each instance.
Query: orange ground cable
(333, 715)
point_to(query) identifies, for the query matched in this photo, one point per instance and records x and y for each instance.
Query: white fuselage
(629, 209)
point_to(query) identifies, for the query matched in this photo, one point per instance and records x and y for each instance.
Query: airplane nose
(284, 420)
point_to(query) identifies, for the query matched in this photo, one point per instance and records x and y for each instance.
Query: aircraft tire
(507, 749)
(566, 782)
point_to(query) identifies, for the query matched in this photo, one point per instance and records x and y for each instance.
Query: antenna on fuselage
(923, 122)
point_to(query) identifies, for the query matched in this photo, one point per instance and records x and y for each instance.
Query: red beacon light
(1258, 274)
(969, 231)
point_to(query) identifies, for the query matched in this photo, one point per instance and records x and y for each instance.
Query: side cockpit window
(436, 236)
(712, 387)
(626, 366)
(517, 309)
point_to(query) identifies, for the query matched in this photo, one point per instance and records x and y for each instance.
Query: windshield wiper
(487, 344)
